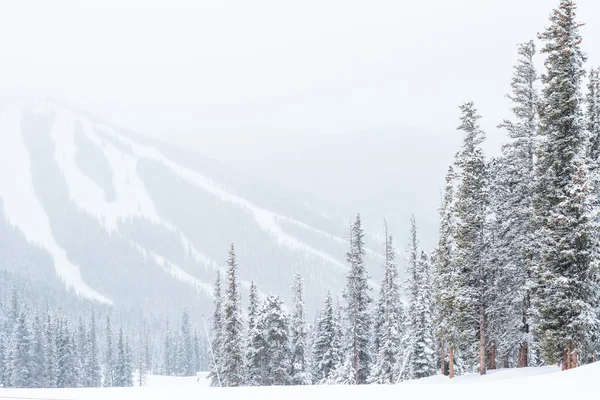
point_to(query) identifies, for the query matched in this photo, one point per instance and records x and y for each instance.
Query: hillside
(128, 221)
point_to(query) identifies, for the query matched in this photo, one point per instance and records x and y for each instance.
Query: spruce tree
(357, 308)
(326, 351)
(50, 377)
(421, 329)
(217, 336)
(187, 346)
(566, 293)
(391, 322)
(233, 362)
(109, 356)
(37, 356)
(274, 324)
(93, 370)
(299, 372)
(512, 203)
(255, 346)
(21, 354)
(67, 377)
(169, 350)
(446, 278)
(471, 210)
(127, 379)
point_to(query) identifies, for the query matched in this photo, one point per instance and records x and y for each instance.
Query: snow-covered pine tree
(67, 375)
(109, 356)
(513, 246)
(357, 352)
(567, 296)
(217, 336)
(50, 378)
(471, 210)
(391, 322)
(187, 346)
(79, 344)
(233, 361)
(446, 280)
(21, 353)
(421, 361)
(326, 352)
(299, 373)
(37, 356)
(168, 349)
(142, 365)
(120, 360)
(128, 366)
(255, 345)
(93, 370)
(274, 324)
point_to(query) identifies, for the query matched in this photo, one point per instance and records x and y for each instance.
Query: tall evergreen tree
(217, 335)
(169, 350)
(471, 210)
(274, 324)
(21, 354)
(93, 371)
(109, 356)
(255, 346)
(37, 356)
(357, 309)
(300, 374)
(233, 362)
(421, 330)
(391, 322)
(50, 377)
(67, 377)
(187, 346)
(446, 279)
(326, 351)
(566, 294)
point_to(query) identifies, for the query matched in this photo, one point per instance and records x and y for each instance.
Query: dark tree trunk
(451, 361)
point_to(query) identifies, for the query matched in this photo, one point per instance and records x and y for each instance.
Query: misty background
(352, 104)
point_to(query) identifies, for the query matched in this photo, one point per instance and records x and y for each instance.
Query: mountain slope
(133, 222)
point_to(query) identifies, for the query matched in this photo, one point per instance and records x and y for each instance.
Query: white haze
(309, 94)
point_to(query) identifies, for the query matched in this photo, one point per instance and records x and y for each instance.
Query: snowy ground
(527, 383)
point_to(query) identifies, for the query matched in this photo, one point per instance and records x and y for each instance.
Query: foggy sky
(237, 80)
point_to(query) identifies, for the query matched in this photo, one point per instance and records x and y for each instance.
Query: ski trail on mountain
(265, 219)
(22, 207)
(132, 197)
(175, 271)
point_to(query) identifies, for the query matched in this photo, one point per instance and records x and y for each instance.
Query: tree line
(47, 350)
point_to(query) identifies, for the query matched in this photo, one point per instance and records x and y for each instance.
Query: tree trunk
(523, 356)
(594, 357)
(565, 360)
(492, 360)
(443, 359)
(481, 341)
(574, 360)
(450, 362)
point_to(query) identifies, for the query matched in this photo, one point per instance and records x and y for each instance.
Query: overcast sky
(201, 73)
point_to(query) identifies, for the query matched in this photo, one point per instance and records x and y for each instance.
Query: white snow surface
(525, 383)
(21, 205)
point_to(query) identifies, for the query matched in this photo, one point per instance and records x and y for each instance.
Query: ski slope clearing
(21, 204)
(526, 383)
